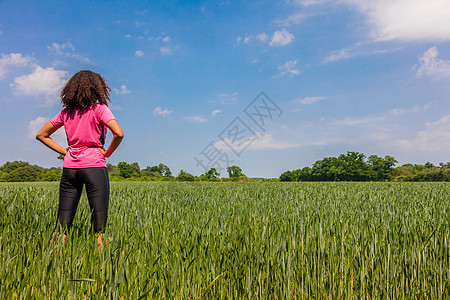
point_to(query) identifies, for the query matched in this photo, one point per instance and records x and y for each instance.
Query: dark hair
(85, 89)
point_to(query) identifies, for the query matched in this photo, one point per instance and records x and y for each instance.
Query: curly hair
(85, 89)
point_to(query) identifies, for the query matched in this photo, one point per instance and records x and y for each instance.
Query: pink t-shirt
(83, 129)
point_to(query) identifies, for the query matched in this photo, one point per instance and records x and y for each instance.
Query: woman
(84, 117)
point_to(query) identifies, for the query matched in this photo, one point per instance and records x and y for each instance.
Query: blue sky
(339, 75)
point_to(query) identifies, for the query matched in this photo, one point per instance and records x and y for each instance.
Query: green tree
(235, 172)
(113, 170)
(444, 165)
(20, 171)
(61, 157)
(185, 176)
(8, 167)
(354, 167)
(202, 177)
(403, 173)
(22, 174)
(347, 167)
(153, 169)
(136, 168)
(381, 168)
(429, 165)
(146, 172)
(327, 169)
(304, 174)
(51, 175)
(212, 173)
(288, 176)
(162, 169)
(125, 169)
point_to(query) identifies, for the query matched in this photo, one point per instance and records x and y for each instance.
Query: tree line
(21, 171)
(125, 171)
(352, 166)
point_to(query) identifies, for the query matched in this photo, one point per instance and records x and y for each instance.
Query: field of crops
(232, 240)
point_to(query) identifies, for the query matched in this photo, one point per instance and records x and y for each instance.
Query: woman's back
(84, 129)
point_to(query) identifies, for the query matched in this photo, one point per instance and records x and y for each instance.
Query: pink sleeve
(105, 115)
(58, 120)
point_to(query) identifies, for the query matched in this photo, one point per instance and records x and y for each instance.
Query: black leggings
(97, 189)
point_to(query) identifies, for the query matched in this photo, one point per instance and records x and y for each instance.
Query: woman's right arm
(44, 136)
(114, 126)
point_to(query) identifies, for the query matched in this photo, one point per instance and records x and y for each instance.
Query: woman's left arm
(44, 136)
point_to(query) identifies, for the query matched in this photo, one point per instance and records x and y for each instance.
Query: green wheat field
(267, 240)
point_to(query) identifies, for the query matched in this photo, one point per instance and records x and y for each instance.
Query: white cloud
(60, 48)
(10, 60)
(266, 142)
(406, 19)
(312, 2)
(385, 133)
(123, 90)
(195, 119)
(309, 100)
(445, 120)
(165, 50)
(429, 142)
(263, 37)
(259, 142)
(313, 133)
(215, 112)
(360, 121)
(80, 58)
(47, 82)
(228, 98)
(281, 38)
(339, 55)
(158, 111)
(166, 39)
(398, 111)
(35, 125)
(60, 63)
(139, 24)
(415, 109)
(139, 53)
(289, 68)
(423, 108)
(361, 48)
(432, 66)
(66, 50)
(244, 40)
(434, 138)
(291, 20)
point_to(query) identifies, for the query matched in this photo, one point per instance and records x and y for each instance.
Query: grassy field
(232, 240)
